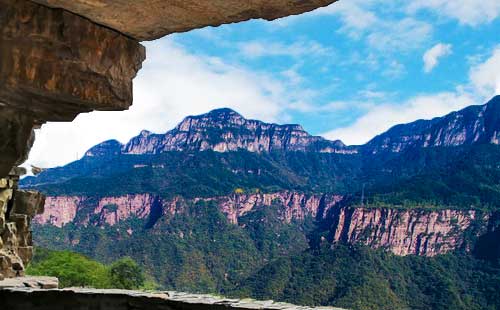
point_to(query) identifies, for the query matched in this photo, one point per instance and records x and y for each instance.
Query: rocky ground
(41, 293)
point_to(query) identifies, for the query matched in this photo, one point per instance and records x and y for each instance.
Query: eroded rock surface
(55, 64)
(223, 130)
(478, 124)
(402, 232)
(61, 210)
(16, 138)
(407, 232)
(152, 19)
(17, 208)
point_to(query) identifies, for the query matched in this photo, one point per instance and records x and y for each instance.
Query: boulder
(29, 203)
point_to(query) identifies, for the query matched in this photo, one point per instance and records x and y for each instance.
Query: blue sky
(347, 71)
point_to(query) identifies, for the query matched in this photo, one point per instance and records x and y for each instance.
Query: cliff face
(61, 210)
(474, 124)
(223, 130)
(17, 208)
(152, 19)
(403, 232)
(292, 205)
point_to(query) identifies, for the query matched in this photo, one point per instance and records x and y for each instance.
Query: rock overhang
(151, 19)
(61, 58)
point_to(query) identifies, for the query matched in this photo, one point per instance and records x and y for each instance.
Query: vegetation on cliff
(353, 277)
(263, 256)
(357, 277)
(76, 270)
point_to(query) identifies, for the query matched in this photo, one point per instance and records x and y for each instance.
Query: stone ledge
(98, 299)
(30, 282)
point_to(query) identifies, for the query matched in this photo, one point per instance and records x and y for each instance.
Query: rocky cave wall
(53, 66)
(17, 208)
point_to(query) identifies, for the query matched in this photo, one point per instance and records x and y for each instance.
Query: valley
(226, 205)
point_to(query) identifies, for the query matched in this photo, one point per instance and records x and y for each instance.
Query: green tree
(71, 269)
(125, 273)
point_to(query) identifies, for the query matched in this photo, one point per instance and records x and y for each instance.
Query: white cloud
(401, 35)
(293, 76)
(485, 77)
(431, 56)
(359, 15)
(356, 16)
(172, 84)
(377, 22)
(484, 82)
(256, 49)
(394, 69)
(381, 117)
(468, 12)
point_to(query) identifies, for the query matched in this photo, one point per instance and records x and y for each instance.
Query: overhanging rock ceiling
(152, 19)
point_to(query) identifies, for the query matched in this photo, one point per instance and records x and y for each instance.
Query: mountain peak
(223, 112)
(225, 130)
(214, 118)
(476, 124)
(494, 101)
(106, 148)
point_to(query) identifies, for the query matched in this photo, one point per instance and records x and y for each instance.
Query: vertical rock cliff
(403, 232)
(223, 130)
(17, 208)
(472, 125)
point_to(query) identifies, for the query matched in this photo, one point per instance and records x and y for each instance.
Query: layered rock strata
(17, 208)
(223, 130)
(478, 124)
(53, 66)
(402, 232)
(61, 210)
(292, 206)
(151, 19)
(405, 232)
(16, 138)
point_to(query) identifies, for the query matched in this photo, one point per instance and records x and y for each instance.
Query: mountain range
(224, 130)
(224, 204)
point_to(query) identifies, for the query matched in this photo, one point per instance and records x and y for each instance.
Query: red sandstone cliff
(403, 232)
(62, 210)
